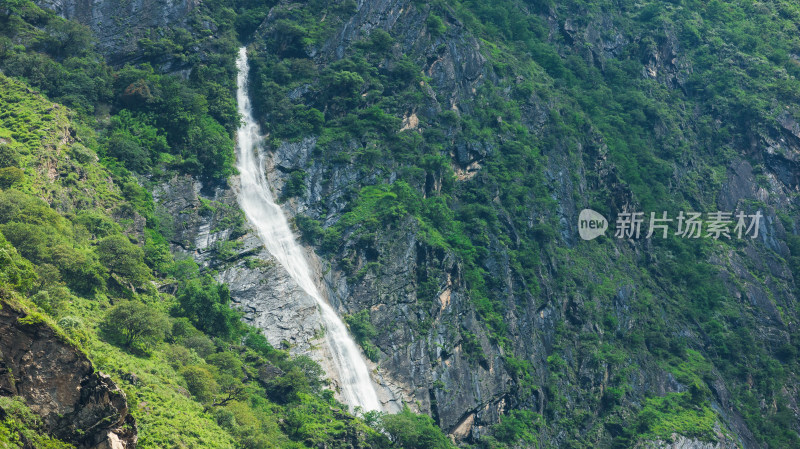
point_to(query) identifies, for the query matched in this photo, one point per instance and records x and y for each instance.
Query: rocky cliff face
(424, 347)
(435, 351)
(118, 25)
(259, 286)
(218, 238)
(77, 404)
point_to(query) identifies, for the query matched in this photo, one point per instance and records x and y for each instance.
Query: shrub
(411, 431)
(123, 258)
(435, 25)
(200, 381)
(10, 176)
(517, 425)
(360, 326)
(8, 156)
(295, 185)
(131, 153)
(51, 303)
(201, 344)
(206, 304)
(134, 323)
(363, 331)
(380, 41)
(15, 271)
(287, 388)
(226, 362)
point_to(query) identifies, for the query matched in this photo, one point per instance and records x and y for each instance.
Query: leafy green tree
(206, 303)
(123, 258)
(226, 362)
(8, 156)
(214, 148)
(67, 38)
(287, 388)
(97, 223)
(200, 381)
(517, 425)
(15, 271)
(51, 302)
(128, 151)
(10, 176)
(380, 41)
(311, 370)
(412, 431)
(135, 323)
(435, 25)
(230, 388)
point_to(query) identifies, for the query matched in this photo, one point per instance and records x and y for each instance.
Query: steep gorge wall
(424, 350)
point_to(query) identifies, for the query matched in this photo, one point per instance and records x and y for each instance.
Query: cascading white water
(267, 217)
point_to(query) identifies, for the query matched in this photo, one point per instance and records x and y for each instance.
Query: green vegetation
(517, 425)
(668, 139)
(135, 323)
(194, 374)
(412, 431)
(676, 413)
(646, 127)
(21, 428)
(363, 331)
(159, 121)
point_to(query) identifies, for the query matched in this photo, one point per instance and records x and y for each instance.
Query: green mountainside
(435, 155)
(76, 257)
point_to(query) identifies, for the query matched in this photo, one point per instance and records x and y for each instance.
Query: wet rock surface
(259, 285)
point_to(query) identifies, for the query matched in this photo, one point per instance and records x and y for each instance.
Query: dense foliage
(159, 120)
(554, 98)
(551, 98)
(194, 374)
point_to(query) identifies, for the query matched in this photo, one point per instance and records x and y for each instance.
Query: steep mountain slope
(94, 309)
(442, 153)
(437, 155)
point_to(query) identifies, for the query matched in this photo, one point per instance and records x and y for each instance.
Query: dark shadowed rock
(76, 403)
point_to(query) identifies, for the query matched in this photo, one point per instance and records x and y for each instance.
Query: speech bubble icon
(591, 224)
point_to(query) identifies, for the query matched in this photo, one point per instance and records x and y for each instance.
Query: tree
(229, 389)
(287, 388)
(205, 303)
(135, 323)
(214, 148)
(380, 41)
(517, 425)
(411, 431)
(8, 156)
(15, 271)
(435, 25)
(123, 258)
(10, 176)
(200, 381)
(9, 7)
(131, 153)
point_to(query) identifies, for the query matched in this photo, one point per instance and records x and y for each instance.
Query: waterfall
(273, 229)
